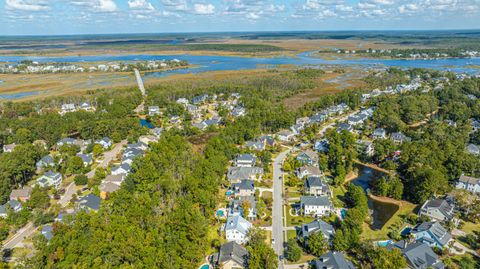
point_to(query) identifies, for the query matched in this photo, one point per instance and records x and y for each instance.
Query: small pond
(381, 211)
(146, 123)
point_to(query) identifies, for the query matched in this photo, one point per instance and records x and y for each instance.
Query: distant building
(471, 184)
(399, 138)
(9, 147)
(105, 142)
(473, 149)
(153, 110)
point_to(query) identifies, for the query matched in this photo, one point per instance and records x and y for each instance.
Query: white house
(285, 135)
(68, 108)
(236, 229)
(50, 179)
(153, 110)
(316, 205)
(471, 184)
(105, 142)
(9, 147)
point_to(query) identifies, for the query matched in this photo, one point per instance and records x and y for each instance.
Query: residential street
(277, 216)
(21, 234)
(108, 156)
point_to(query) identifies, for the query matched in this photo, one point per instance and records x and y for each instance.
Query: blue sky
(31, 17)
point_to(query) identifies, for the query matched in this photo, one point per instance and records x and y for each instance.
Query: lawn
(291, 234)
(212, 235)
(469, 227)
(298, 220)
(338, 193)
(395, 222)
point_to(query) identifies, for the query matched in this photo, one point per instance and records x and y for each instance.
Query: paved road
(108, 156)
(277, 213)
(21, 234)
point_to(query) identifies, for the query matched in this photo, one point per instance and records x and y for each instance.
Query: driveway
(108, 156)
(277, 213)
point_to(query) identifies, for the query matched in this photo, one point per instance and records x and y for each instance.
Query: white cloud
(383, 2)
(26, 5)
(204, 9)
(98, 5)
(177, 5)
(141, 5)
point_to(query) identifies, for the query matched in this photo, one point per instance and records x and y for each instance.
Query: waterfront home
(9, 147)
(285, 135)
(45, 162)
(399, 138)
(473, 149)
(332, 260)
(231, 256)
(437, 209)
(153, 110)
(90, 202)
(105, 142)
(379, 133)
(50, 179)
(308, 157)
(236, 174)
(316, 226)
(66, 108)
(316, 206)
(305, 171)
(314, 185)
(432, 234)
(471, 184)
(245, 160)
(236, 229)
(87, 107)
(22, 195)
(418, 255)
(245, 187)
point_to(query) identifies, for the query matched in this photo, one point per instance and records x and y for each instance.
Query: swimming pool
(384, 243)
(205, 266)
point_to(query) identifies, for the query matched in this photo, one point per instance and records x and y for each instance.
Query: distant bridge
(140, 82)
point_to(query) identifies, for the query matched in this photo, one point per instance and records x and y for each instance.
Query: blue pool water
(383, 243)
(220, 213)
(146, 123)
(205, 266)
(405, 231)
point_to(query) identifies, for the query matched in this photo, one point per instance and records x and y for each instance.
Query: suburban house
(87, 107)
(124, 168)
(344, 127)
(399, 138)
(432, 234)
(14, 205)
(246, 187)
(471, 184)
(437, 209)
(316, 205)
(87, 159)
(66, 108)
(105, 142)
(237, 207)
(366, 146)
(322, 145)
(473, 149)
(306, 171)
(153, 110)
(231, 256)
(148, 139)
(332, 260)
(285, 135)
(267, 140)
(9, 147)
(199, 99)
(200, 125)
(418, 255)
(236, 174)
(110, 184)
(50, 179)
(379, 133)
(255, 145)
(314, 185)
(22, 195)
(316, 226)
(308, 157)
(45, 162)
(90, 202)
(182, 101)
(245, 160)
(47, 231)
(236, 229)
(238, 112)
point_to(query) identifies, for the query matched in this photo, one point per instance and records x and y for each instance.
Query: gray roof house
(89, 202)
(231, 255)
(105, 142)
(236, 174)
(332, 260)
(432, 234)
(316, 226)
(50, 179)
(236, 207)
(471, 184)
(47, 231)
(245, 187)
(418, 255)
(344, 127)
(314, 185)
(15, 205)
(473, 149)
(255, 145)
(322, 145)
(236, 229)
(379, 133)
(46, 161)
(306, 171)
(399, 138)
(308, 157)
(437, 209)
(87, 159)
(245, 160)
(316, 205)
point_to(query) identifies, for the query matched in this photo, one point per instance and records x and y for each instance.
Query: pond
(381, 211)
(146, 123)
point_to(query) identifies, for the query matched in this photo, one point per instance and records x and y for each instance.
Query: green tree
(81, 180)
(317, 244)
(382, 258)
(39, 198)
(261, 255)
(294, 251)
(97, 150)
